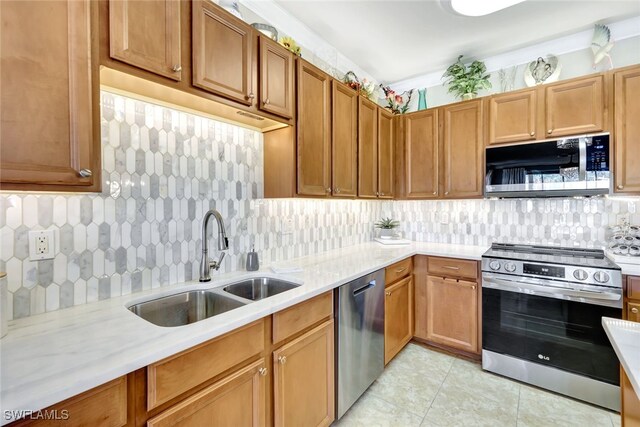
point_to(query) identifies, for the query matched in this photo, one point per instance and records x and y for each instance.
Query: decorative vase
(422, 99)
(386, 233)
(468, 96)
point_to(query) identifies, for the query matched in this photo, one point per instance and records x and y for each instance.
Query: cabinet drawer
(177, 374)
(451, 267)
(633, 287)
(301, 316)
(236, 400)
(633, 312)
(397, 271)
(103, 406)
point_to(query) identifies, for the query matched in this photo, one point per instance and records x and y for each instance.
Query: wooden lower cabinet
(452, 313)
(303, 377)
(237, 400)
(398, 317)
(630, 402)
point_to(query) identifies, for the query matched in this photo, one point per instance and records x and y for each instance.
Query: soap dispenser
(253, 263)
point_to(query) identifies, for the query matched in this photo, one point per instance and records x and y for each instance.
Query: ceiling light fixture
(478, 7)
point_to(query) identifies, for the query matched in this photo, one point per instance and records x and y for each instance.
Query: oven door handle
(513, 286)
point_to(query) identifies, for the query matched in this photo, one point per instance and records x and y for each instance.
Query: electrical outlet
(286, 226)
(41, 245)
(444, 218)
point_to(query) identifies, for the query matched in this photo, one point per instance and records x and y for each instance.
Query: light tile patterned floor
(423, 387)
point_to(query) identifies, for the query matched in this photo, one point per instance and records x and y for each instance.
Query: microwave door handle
(582, 168)
(507, 285)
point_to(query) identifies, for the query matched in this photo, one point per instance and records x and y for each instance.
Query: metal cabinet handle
(634, 310)
(387, 293)
(267, 101)
(282, 360)
(450, 267)
(251, 96)
(262, 371)
(549, 131)
(177, 68)
(336, 190)
(446, 193)
(400, 270)
(435, 192)
(85, 173)
(473, 286)
(533, 134)
(382, 194)
(620, 187)
(328, 189)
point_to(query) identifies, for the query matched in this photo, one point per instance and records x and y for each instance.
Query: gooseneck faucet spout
(207, 265)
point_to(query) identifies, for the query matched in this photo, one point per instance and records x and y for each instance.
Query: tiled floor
(422, 387)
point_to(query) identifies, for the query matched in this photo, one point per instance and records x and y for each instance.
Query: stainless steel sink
(187, 307)
(259, 288)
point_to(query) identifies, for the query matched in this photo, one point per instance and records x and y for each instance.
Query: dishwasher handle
(364, 288)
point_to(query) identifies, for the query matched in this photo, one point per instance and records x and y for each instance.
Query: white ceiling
(398, 39)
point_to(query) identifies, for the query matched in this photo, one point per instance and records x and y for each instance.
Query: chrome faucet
(207, 265)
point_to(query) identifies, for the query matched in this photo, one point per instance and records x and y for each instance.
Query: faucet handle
(215, 265)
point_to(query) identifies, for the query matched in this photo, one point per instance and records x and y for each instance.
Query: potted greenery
(465, 82)
(386, 226)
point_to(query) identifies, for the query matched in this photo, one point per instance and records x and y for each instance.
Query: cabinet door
(633, 311)
(303, 376)
(398, 317)
(276, 78)
(630, 401)
(385, 154)
(575, 107)
(463, 150)
(222, 53)
(49, 138)
(344, 141)
(452, 313)
(421, 155)
(237, 400)
(146, 34)
(512, 117)
(627, 130)
(367, 148)
(314, 144)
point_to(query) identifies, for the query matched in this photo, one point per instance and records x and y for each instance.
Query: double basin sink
(192, 306)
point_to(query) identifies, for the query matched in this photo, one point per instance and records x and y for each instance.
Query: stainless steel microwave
(573, 166)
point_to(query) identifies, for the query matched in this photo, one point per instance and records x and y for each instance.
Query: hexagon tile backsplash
(163, 169)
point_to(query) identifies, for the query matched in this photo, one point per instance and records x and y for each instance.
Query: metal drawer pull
(282, 360)
(400, 270)
(450, 267)
(262, 371)
(177, 68)
(634, 310)
(387, 293)
(85, 173)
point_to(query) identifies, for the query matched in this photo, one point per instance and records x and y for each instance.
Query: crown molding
(574, 42)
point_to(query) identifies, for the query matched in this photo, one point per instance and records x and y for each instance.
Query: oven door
(560, 333)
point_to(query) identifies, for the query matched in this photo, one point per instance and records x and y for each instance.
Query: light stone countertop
(50, 357)
(625, 338)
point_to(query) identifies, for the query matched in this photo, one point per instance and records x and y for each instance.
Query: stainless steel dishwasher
(360, 343)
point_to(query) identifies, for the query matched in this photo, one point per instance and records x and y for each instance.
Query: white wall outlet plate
(42, 245)
(287, 226)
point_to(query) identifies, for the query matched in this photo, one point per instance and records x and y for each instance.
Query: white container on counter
(4, 295)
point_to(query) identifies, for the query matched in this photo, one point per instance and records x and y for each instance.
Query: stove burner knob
(601, 277)
(494, 265)
(510, 267)
(580, 274)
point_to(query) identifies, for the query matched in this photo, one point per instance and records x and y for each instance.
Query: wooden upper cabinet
(452, 313)
(276, 78)
(237, 400)
(49, 136)
(344, 145)
(223, 47)
(512, 117)
(386, 133)
(303, 378)
(367, 148)
(146, 34)
(421, 155)
(627, 130)
(463, 150)
(398, 317)
(314, 140)
(575, 107)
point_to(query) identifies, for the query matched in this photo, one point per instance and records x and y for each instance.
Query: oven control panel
(569, 273)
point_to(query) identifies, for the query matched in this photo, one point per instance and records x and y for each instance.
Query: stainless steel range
(541, 319)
